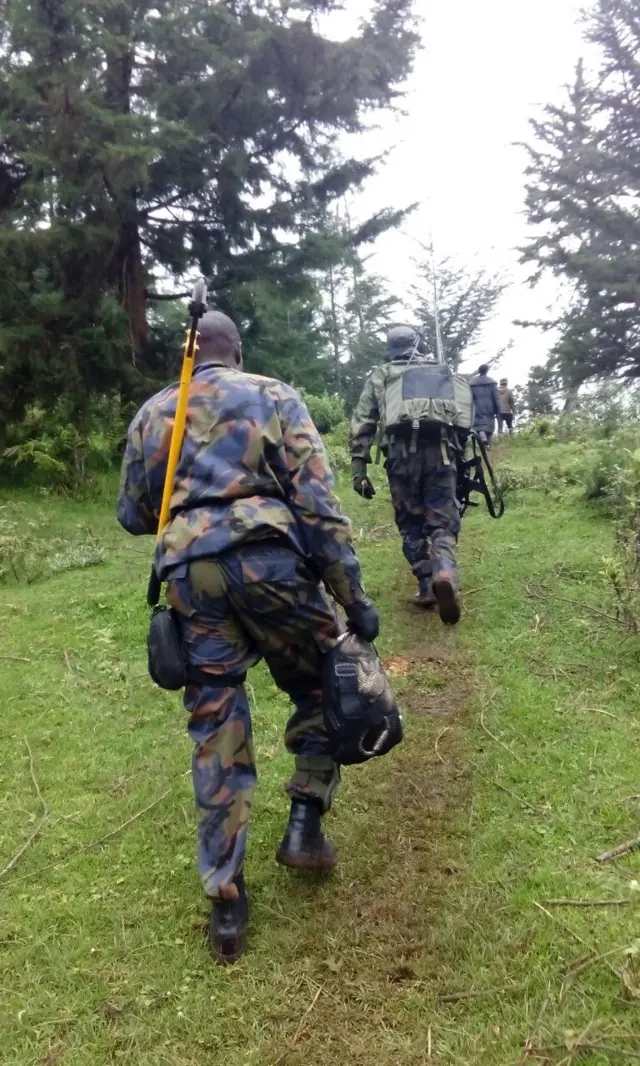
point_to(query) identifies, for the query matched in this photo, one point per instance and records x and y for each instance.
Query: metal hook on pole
(436, 313)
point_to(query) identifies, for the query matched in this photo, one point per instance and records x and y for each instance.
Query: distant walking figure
(486, 402)
(507, 407)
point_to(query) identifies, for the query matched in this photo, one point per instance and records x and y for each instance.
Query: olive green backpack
(420, 393)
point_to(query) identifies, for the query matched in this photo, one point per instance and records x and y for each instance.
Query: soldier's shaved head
(219, 340)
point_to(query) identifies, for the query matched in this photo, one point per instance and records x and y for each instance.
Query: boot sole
(448, 604)
(307, 862)
(227, 952)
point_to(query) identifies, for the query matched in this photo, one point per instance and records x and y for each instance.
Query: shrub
(52, 450)
(542, 427)
(606, 460)
(26, 556)
(511, 479)
(601, 472)
(337, 445)
(569, 471)
(327, 411)
(623, 568)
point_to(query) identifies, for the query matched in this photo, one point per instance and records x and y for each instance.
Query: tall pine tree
(141, 143)
(582, 202)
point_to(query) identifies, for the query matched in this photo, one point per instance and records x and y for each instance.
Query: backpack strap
(495, 503)
(471, 478)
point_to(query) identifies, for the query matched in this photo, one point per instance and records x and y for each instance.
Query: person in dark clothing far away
(486, 402)
(507, 407)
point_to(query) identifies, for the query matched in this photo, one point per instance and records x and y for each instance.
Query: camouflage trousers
(259, 600)
(423, 493)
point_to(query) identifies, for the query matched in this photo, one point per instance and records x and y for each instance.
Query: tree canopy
(143, 143)
(583, 201)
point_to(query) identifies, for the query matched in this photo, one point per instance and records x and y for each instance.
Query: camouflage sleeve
(136, 510)
(310, 494)
(365, 420)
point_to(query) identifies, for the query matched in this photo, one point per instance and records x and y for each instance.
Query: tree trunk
(129, 272)
(134, 285)
(357, 302)
(571, 400)
(335, 331)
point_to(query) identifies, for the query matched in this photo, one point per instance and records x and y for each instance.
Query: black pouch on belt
(168, 666)
(164, 645)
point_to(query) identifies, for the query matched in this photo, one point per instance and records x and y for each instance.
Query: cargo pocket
(266, 581)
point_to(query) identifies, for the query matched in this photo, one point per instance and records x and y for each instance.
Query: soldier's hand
(360, 481)
(363, 487)
(363, 620)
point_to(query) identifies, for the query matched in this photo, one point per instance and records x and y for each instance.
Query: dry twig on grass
(502, 744)
(537, 1052)
(586, 902)
(32, 771)
(514, 795)
(301, 1026)
(528, 1044)
(479, 588)
(620, 849)
(594, 956)
(437, 751)
(100, 840)
(15, 858)
(547, 594)
(472, 993)
(503, 788)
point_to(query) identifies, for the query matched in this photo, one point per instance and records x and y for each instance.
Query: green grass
(427, 944)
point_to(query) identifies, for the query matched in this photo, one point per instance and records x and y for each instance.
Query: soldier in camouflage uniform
(422, 479)
(256, 543)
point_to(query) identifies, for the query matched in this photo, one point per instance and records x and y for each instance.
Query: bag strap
(471, 478)
(495, 503)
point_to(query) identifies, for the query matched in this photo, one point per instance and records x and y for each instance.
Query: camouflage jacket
(252, 467)
(370, 408)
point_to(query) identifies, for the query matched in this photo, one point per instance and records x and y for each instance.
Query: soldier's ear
(238, 354)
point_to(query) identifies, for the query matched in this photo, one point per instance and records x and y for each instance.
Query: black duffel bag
(360, 710)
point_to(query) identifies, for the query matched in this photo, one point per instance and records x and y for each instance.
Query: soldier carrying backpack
(420, 404)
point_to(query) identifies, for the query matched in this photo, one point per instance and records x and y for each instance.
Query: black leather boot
(425, 596)
(304, 846)
(445, 587)
(228, 926)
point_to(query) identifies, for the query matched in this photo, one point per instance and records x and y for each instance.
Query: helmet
(402, 341)
(361, 715)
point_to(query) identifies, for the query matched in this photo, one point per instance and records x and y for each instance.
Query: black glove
(360, 481)
(363, 620)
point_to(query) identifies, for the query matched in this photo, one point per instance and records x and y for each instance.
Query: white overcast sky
(486, 68)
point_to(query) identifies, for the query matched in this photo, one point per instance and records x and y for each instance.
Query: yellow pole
(197, 308)
(179, 423)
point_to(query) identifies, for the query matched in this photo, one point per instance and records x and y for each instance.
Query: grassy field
(440, 938)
